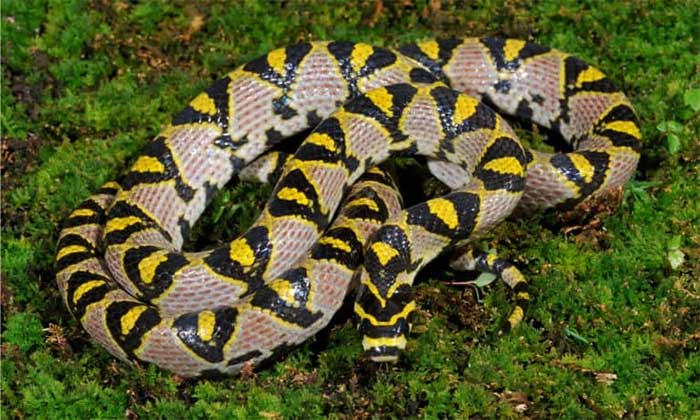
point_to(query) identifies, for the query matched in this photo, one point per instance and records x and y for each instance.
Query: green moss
(49, 388)
(23, 20)
(24, 331)
(90, 82)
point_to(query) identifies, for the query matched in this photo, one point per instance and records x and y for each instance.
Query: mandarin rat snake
(119, 263)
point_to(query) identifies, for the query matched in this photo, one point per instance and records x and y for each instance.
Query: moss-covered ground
(614, 328)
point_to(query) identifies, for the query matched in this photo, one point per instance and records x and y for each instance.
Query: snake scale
(119, 263)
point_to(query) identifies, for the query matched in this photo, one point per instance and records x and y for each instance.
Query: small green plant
(570, 332)
(638, 189)
(674, 130)
(675, 256)
(691, 97)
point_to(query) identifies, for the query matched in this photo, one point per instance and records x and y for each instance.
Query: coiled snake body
(119, 262)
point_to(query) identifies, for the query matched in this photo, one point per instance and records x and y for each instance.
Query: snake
(334, 219)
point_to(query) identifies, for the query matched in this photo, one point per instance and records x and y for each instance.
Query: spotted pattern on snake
(119, 263)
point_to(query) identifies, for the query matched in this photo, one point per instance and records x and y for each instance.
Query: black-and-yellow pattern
(557, 91)
(119, 262)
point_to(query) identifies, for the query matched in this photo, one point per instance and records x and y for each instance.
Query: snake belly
(119, 265)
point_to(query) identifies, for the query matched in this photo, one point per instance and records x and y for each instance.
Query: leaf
(675, 258)
(669, 127)
(674, 143)
(638, 189)
(675, 242)
(484, 279)
(691, 97)
(570, 332)
(674, 126)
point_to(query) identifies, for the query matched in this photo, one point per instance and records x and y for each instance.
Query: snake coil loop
(119, 262)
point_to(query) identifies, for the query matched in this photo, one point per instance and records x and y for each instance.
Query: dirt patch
(16, 157)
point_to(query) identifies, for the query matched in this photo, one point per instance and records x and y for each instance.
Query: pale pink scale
(330, 287)
(540, 77)
(584, 111)
(252, 114)
(622, 168)
(544, 185)
(201, 160)
(319, 85)
(470, 70)
(256, 331)
(163, 203)
(164, 348)
(367, 141)
(422, 124)
(95, 323)
(195, 289)
(493, 208)
(385, 78)
(424, 244)
(292, 238)
(330, 182)
(469, 147)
